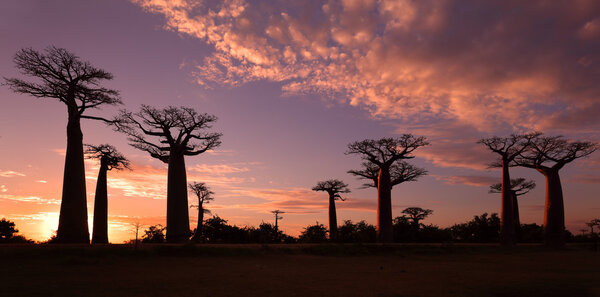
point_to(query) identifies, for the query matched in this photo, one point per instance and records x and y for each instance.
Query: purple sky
(293, 84)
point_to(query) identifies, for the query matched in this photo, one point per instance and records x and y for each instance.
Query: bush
(316, 233)
(154, 234)
(8, 233)
(359, 232)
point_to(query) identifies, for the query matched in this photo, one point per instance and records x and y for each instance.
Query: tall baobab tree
(204, 195)
(64, 76)
(508, 148)
(110, 159)
(518, 187)
(333, 187)
(416, 214)
(400, 172)
(180, 132)
(383, 153)
(547, 155)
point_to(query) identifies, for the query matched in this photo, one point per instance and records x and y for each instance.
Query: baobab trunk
(332, 219)
(516, 218)
(554, 215)
(100, 228)
(197, 235)
(507, 227)
(178, 225)
(72, 222)
(384, 207)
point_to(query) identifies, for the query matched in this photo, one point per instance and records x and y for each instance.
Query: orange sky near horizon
(292, 84)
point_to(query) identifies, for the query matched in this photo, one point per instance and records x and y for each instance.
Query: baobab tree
(384, 153)
(508, 148)
(416, 214)
(333, 187)
(547, 155)
(110, 159)
(277, 213)
(180, 132)
(518, 187)
(204, 195)
(400, 172)
(63, 76)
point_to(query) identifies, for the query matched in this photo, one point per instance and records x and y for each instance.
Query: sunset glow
(292, 84)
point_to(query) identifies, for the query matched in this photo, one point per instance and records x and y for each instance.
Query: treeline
(483, 228)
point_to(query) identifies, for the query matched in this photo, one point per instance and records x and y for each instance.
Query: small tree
(7, 230)
(518, 187)
(333, 187)
(110, 159)
(277, 213)
(204, 195)
(316, 233)
(548, 155)
(64, 76)
(154, 234)
(416, 214)
(180, 132)
(508, 148)
(384, 153)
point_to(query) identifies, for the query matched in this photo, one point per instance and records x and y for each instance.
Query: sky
(292, 84)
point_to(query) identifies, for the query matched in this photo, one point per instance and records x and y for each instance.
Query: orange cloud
(476, 62)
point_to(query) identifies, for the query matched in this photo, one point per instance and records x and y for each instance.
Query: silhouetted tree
(481, 229)
(359, 232)
(518, 187)
(7, 230)
(110, 159)
(384, 153)
(204, 195)
(137, 225)
(314, 234)
(277, 213)
(154, 234)
(180, 132)
(508, 148)
(549, 154)
(64, 76)
(400, 172)
(416, 214)
(333, 187)
(593, 223)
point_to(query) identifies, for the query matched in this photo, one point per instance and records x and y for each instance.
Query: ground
(298, 270)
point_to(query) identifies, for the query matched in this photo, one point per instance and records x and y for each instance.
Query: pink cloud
(470, 180)
(481, 63)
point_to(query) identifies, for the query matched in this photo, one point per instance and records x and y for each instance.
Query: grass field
(298, 270)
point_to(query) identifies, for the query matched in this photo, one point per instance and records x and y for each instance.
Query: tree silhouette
(549, 154)
(400, 172)
(110, 159)
(518, 187)
(7, 230)
(204, 195)
(316, 233)
(154, 234)
(508, 148)
(384, 153)
(180, 132)
(416, 214)
(64, 76)
(277, 213)
(333, 187)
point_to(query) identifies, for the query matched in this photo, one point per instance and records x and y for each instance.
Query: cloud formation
(532, 64)
(10, 173)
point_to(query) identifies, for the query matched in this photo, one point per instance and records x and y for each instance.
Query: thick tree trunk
(178, 225)
(385, 232)
(554, 215)
(198, 234)
(516, 218)
(332, 219)
(72, 222)
(100, 228)
(507, 227)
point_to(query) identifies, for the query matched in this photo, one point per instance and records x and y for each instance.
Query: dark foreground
(298, 270)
